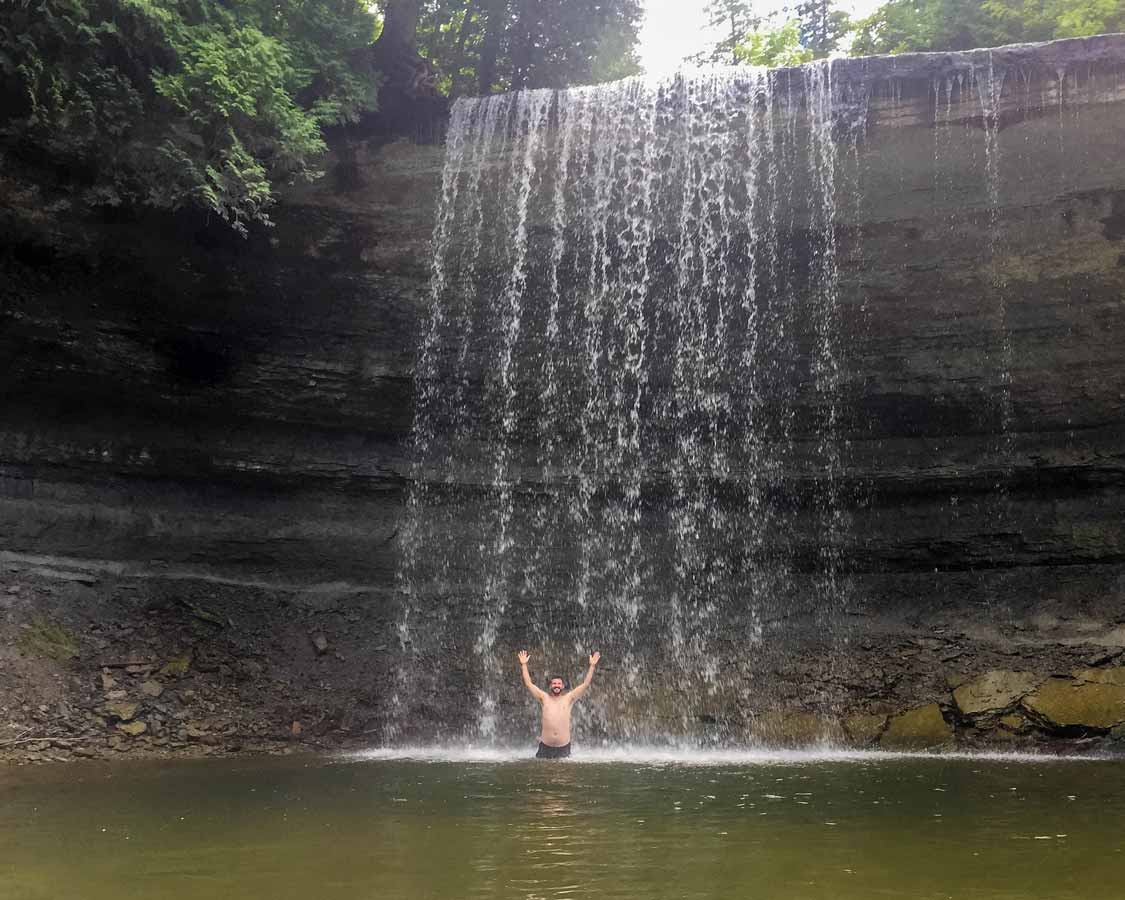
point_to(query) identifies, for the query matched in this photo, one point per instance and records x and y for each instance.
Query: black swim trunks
(546, 752)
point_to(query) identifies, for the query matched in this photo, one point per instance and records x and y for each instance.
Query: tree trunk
(458, 62)
(400, 28)
(495, 21)
(522, 42)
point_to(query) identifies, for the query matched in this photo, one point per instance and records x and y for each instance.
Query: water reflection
(272, 830)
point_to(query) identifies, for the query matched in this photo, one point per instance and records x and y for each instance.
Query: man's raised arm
(537, 693)
(582, 688)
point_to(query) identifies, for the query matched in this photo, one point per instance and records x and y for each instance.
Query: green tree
(773, 47)
(734, 19)
(480, 46)
(821, 26)
(933, 25)
(1030, 20)
(182, 103)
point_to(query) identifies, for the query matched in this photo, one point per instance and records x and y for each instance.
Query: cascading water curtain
(631, 358)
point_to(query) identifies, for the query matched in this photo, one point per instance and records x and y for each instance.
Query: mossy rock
(122, 710)
(133, 729)
(176, 668)
(917, 729)
(795, 728)
(1115, 675)
(1013, 722)
(993, 691)
(864, 729)
(1078, 704)
(49, 640)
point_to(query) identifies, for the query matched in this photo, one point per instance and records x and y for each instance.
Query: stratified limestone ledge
(994, 691)
(1065, 703)
(917, 729)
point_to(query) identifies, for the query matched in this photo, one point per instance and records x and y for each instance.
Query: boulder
(794, 728)
(152, 689)
(1013, 722)
(1068, 704)
(917, 729)
(122, 710)
(320, 643)
(133, 729)
(993, 691)
(1101, 676)
(864, 728)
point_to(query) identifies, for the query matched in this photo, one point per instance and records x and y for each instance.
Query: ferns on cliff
(174, 103)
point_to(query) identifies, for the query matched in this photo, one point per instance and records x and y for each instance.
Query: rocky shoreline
(99, 664)
(104, 665)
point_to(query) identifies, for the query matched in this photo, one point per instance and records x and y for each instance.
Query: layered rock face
(229, 421)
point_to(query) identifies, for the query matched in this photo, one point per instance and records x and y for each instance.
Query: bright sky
(674, 29)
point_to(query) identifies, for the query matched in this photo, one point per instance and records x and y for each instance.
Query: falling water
(633, 431)
(632, 346)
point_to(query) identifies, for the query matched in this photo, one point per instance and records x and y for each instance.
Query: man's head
(556, 686)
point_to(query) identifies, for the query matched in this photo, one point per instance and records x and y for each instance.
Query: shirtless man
(554, 740)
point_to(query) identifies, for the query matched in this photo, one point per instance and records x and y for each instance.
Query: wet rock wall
(190, 410)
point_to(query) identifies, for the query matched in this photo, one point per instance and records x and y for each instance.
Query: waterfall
(633, 425)
(625, 358)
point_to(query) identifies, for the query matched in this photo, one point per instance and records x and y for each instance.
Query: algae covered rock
(917, 729)
(48, 639)
(1069, 704)
(993, 691)
(864, 728)
(795, 728)
(1101, 676)
(122, 710)
(1013, 722)
(178, 667)
(133, 729)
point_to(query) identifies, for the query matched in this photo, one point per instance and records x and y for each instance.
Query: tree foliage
(821, 26)
(480, 46)
(177, 103)
(772, 47)
(920, 25)
(809, 29)
(734, 20)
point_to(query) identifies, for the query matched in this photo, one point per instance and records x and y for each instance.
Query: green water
(323, 829)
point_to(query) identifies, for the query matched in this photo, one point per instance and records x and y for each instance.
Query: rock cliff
(204, 441)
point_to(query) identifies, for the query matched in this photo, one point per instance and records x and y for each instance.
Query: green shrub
(173, 103)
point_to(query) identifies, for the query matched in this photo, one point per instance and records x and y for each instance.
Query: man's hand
(584, 686)
(535, 692)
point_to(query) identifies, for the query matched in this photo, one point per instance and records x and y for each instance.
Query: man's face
(556, 686)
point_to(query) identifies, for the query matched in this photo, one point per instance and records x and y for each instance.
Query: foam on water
(654, 755)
